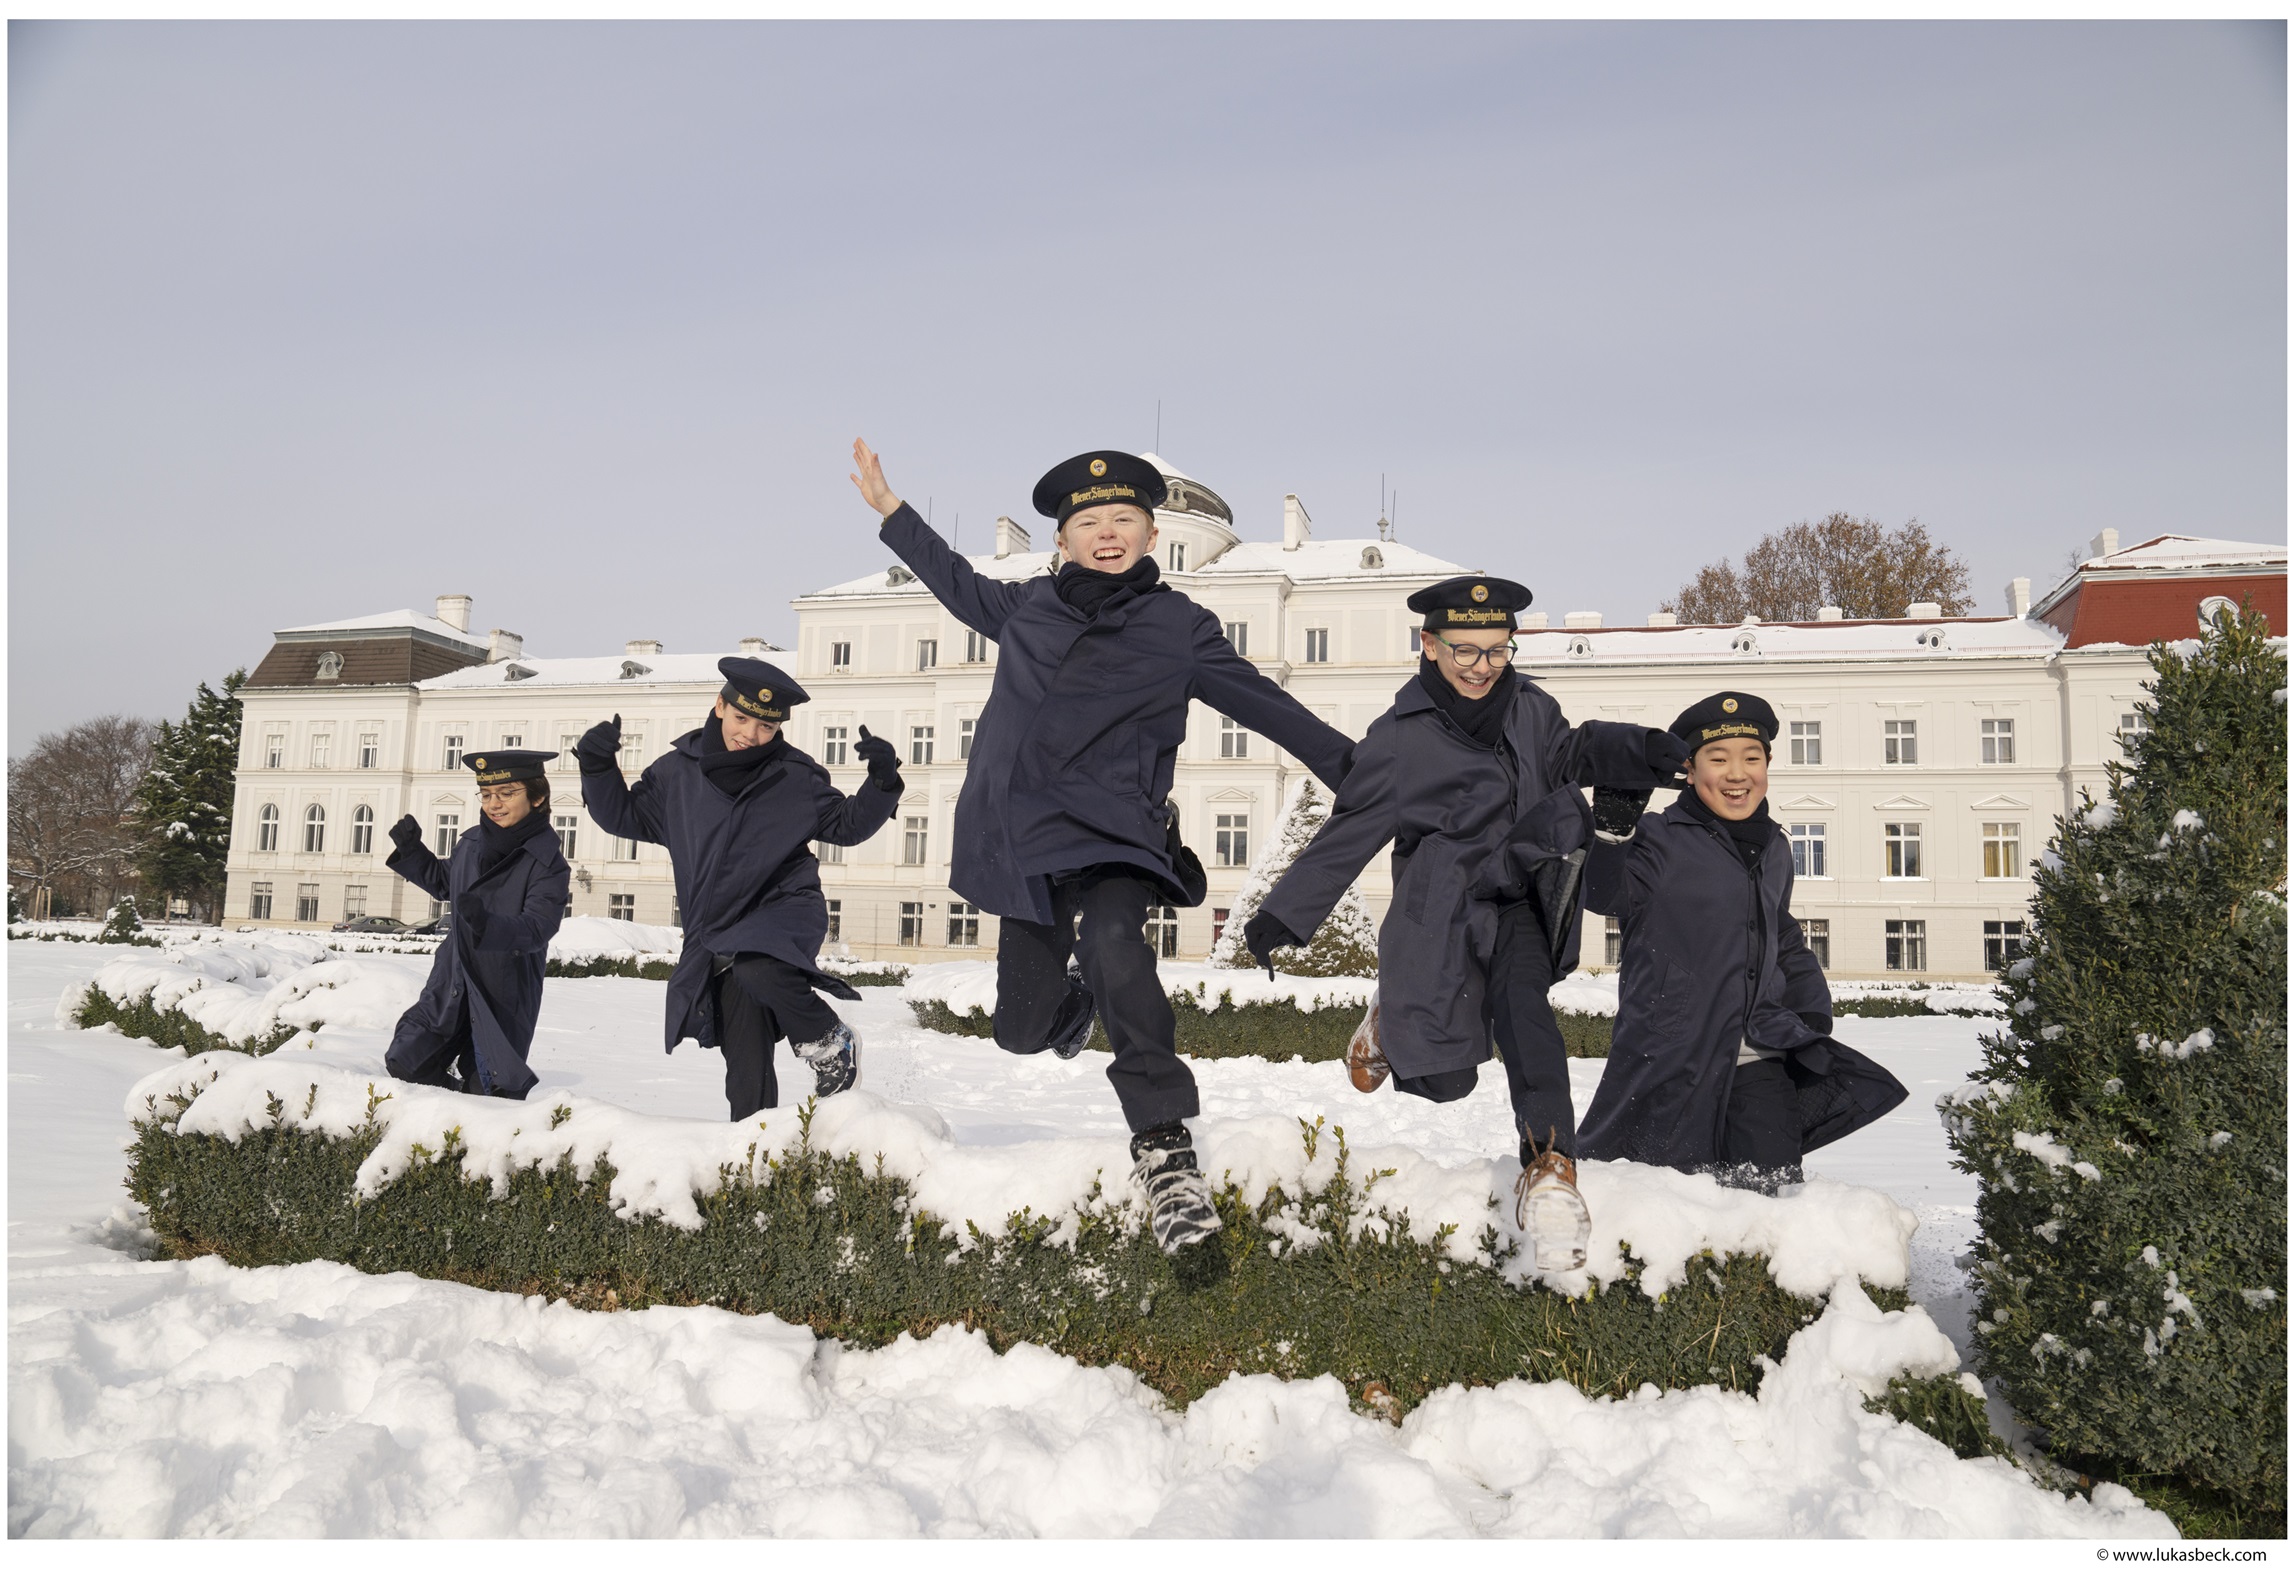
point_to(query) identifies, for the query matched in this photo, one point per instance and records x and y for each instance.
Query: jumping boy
(739, 808)
(1064, 811)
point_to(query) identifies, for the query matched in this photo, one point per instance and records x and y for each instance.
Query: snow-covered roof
(588, 671)
(1323, 559)
(1022, 564)
(2181, 552)
(1557, 649)
(393, 621)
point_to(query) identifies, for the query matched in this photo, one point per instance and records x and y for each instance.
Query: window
(1239, 634)
(446, 829)
(833, 744)
(911, 923)
(836, 931)
(1319, 645)
(1998, 738)
(1163, 930)
(975, 648)
(840, 656)
(453, 748)
(829, 854)
(1900, 850)
(927, 653)
(331, 666)
(621, 907)
(2003, 944)
(1231, 839)
(1613, 942)
(2004, 850)
(275, 749)
(1907, 944)
(1234, 740)
(567, 824)
(510, 741)
(963, 925)
(1218, 922)
(964, 739)
(623, 850)
(322, 745)
(370, 751)
(567, 742)
(1808, 842)
(2133, 723)
(314, 829)
(1899, 743)
(1817, 932)
(259, 902)
(633, 752)
(267, 828)
(306, 902)
(676, 910)
(1808, 741)
(920, 744)
(915, 840)
(363, 832)
(439, 907)
(354, 901)
(1178, 557)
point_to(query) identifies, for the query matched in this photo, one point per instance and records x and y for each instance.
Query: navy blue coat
(747, 880)
(1072, 759)
(1712, 957)
(1447, 805)
(495, 978)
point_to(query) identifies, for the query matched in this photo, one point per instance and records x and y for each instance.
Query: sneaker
(835, 1060)
(1367, 1064)
(1179, 1195)
(1550, 1210)
(1072, 1024)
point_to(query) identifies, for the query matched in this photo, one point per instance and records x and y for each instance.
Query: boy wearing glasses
(1475, 777)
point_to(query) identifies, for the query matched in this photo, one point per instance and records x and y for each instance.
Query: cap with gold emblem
(1474, 601)
(506, 764)
(759, 690)
(1724, 715)
(1099, 479)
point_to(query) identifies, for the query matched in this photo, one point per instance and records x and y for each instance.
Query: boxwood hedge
(169, 1027)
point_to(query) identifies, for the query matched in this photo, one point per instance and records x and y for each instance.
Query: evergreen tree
(2130, 1128)
(1345, 945)
(183, 808)
(123, 923)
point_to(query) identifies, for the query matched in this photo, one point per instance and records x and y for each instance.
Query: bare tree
(1855, 563)
(71, 801)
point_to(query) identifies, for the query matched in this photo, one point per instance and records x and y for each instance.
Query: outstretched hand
(870, 482)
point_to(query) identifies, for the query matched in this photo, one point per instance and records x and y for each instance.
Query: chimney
(2019, 596)
(1828, 613)
(1534, 621)
(1298, 528)
(1011, 538)
(638, 646)
(755, 647)
(1664, 619)
(2105, 543)
(502, 646)
(1923, 610)
(454, 610)
(1581, 618)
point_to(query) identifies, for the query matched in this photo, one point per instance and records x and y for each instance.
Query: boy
(1723, 1059)
(1064, 814)
(1474, 775)
(738, 808)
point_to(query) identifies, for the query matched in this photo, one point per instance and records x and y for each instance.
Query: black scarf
(494, 844)
(730, 771)
(1087, 589)
(1750, 836)
(1484, 718)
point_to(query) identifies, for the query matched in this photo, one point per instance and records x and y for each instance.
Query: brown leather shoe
(1367, 1065)
(1549, 1209)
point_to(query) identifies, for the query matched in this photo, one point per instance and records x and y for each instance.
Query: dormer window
(1745, 643)
(896, 576)
(1931, 638)
(632, 670)
(1581, 649)
(1372, 560)
(330, 666)
(517, 672)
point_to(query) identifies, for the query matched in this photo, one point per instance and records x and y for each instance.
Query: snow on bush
(964, 985)
(1346, 944)
(246, 988)
(601, 937)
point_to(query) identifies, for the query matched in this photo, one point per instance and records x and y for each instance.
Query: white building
(1922, 764)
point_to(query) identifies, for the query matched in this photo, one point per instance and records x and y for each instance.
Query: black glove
(406, 833)
(1263, 935)
(1616, 812)
(883, 761)
(1668, 758)
(600, 747)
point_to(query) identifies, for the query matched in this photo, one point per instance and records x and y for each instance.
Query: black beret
(1726, 714)
(510, 763)
(1470, 602)
(759, 690)
(1099, 479)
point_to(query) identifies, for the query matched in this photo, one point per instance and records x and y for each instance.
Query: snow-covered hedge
(246, 993)
(864, 1219)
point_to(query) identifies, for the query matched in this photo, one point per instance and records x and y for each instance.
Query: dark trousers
(760, 1000)
(1763, 1123)
(453, 1066)
(1529, 1040)
(1111, 948)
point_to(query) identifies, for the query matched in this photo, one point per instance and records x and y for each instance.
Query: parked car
(371, 924)
(433, 928)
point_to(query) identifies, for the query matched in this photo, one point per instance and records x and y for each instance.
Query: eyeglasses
(1467, 655)
(501, 795)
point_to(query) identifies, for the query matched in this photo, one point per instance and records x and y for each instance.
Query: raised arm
(413, 861)
(614, 806)
(1617, 864)
(984, 604)
(1238, 689)
(1363, 819)
(1607, 753)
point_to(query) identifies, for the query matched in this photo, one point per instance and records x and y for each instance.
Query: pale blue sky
(311, 320)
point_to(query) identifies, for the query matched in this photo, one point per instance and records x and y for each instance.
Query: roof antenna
(956, 531)
(1159, 425)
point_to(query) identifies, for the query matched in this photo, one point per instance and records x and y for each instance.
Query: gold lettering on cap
(1101, 493)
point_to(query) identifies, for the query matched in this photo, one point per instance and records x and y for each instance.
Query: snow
(1322, 559)
(191, 1398)
(690, 670)
(971, 984)
(393, 621)
(601, 937)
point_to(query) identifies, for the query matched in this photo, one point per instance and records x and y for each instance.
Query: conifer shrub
(2130, 1126)
(632, 966)
(170, 1027)
(1346, 944)
(124, 924)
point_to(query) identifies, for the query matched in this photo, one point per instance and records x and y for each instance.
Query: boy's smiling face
(1108, 539)
(742, 732)
(1731, 776)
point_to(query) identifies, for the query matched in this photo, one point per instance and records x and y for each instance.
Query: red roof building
(2163, 589)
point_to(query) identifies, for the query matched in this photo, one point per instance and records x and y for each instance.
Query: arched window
(331, 666)
(363, 831)
(267, 828)
(314, 828)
